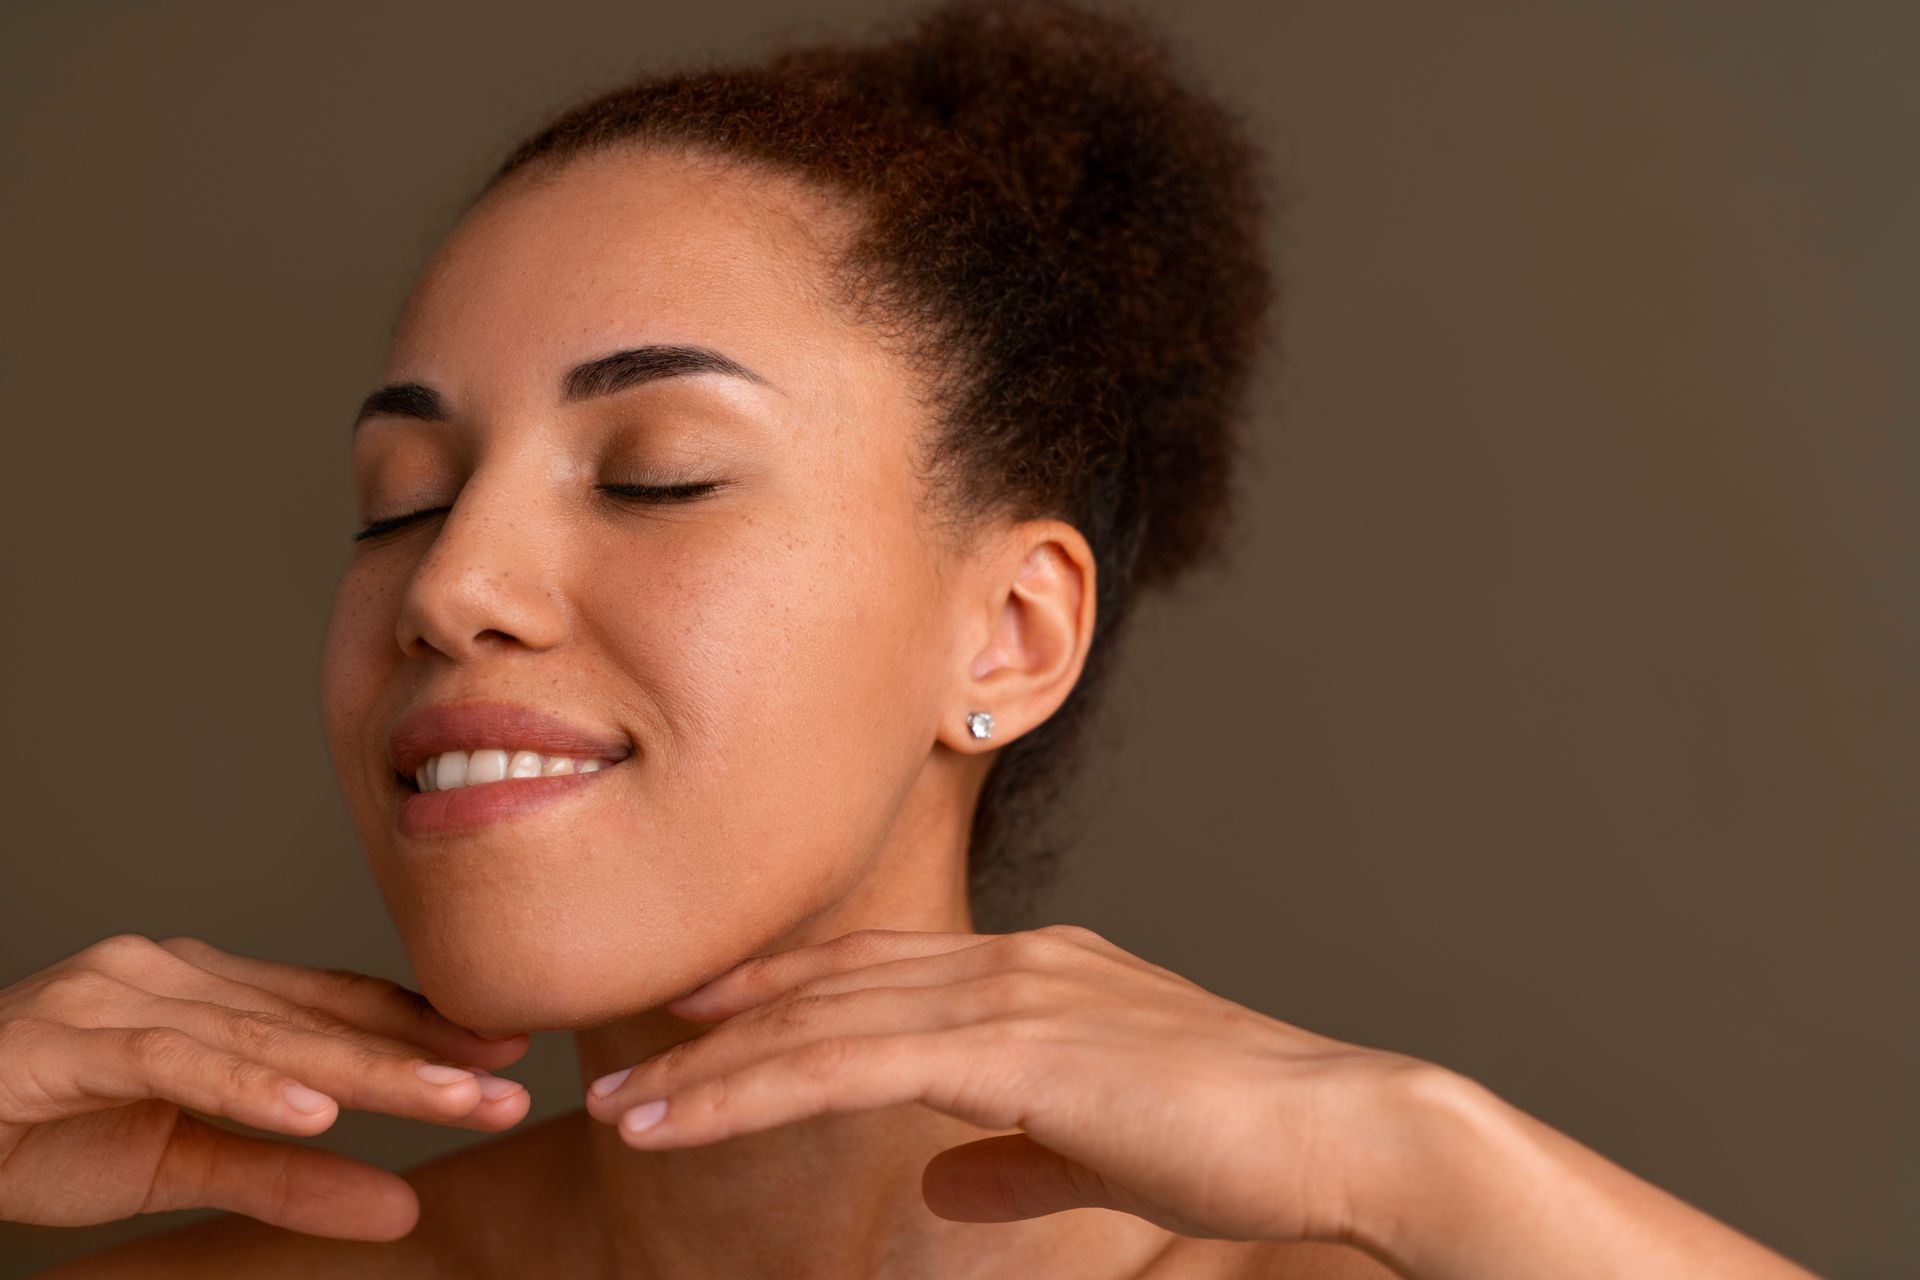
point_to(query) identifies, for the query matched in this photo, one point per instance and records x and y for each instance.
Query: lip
(434, 813)
(475, 726)
(472, 726)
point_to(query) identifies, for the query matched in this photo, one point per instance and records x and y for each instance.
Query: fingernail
(434, 1073)
(301, 1098)
(494, 1088)
(644, 1116)
(608, 1083)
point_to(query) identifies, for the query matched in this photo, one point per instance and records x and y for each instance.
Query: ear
(1034, 624)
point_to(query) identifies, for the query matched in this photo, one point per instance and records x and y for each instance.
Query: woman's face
(766, 664)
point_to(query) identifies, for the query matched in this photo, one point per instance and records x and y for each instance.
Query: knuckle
(866, 942)
(647, 1080)
(71, 992)
(717, 1095)
(159, 1049)
(370, 1063)
(351, 983)
(1034, 947)
(407, 998)
(1086, 1185)
(120, 952)
(670, 1059)
(823, 1058)
(185, 946)
(278, 1185)
(325, 1023)
(259, 1032)
(1075, 933)
(798, 1012)
(239, 1076)
(750, 971)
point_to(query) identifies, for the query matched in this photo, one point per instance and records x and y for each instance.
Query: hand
(1136, 1089)
(100, 1052)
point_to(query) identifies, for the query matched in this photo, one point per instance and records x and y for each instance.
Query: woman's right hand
(101, 1053)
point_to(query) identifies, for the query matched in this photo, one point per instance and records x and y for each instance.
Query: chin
(568, 927)
(499, 990)
(538, 966)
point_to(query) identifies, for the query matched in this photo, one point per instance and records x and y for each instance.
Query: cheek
(791, 670)
(356, 656)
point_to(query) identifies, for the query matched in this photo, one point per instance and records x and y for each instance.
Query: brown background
(1557, 721)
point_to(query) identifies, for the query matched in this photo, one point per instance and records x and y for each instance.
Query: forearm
(1484, 1191)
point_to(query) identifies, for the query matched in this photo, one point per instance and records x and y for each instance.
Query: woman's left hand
(1136, 1089)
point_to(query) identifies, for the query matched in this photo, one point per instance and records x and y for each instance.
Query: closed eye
(652, 493)
(660, 492)
(391, 523)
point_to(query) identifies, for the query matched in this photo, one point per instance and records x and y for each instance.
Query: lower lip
(432, 813)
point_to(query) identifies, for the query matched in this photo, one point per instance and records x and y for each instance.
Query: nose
(488, 580)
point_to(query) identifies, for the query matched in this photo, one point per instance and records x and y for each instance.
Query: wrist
(1440, 1137)
(1466, 1186)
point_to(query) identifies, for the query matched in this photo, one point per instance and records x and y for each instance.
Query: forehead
(627, 246)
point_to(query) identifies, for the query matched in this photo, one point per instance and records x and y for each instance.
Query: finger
(850, 1073)
(49, 1070)
(299, 1188)
(759, 978)
(377, 1004)
(256, 1023)
(1056, 949)
(503, 1103)
(1009, 1177)
(371, 1074)
(784, 1026)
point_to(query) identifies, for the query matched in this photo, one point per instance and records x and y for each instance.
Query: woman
(760, 478)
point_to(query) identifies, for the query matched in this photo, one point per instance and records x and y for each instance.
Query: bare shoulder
(456, 1191)
(233, 1244)
(1194, 1259)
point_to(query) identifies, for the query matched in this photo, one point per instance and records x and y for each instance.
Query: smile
(453, 769)
(531, 759)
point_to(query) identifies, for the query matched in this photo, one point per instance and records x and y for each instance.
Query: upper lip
(428, 731)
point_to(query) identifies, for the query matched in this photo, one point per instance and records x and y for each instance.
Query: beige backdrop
(1558, 721)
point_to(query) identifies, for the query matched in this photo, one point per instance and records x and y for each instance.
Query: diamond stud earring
(980, 724)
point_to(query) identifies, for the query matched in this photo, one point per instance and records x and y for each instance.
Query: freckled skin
(791, 655)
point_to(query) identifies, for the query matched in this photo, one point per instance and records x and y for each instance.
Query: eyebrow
(603, 376)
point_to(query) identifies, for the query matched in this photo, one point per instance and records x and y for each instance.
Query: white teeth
(486, 766)
(453, 769)
(450, 771)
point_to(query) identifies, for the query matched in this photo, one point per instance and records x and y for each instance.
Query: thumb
(1010, 1177)
(300, 1188)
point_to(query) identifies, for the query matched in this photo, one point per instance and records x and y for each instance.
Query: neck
(838, 1194)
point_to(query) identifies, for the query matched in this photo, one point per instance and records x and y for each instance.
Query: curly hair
(1066, 239)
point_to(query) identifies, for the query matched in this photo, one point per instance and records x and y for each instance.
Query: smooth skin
(760, 916)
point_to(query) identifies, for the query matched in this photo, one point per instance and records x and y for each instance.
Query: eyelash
(653, 493)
